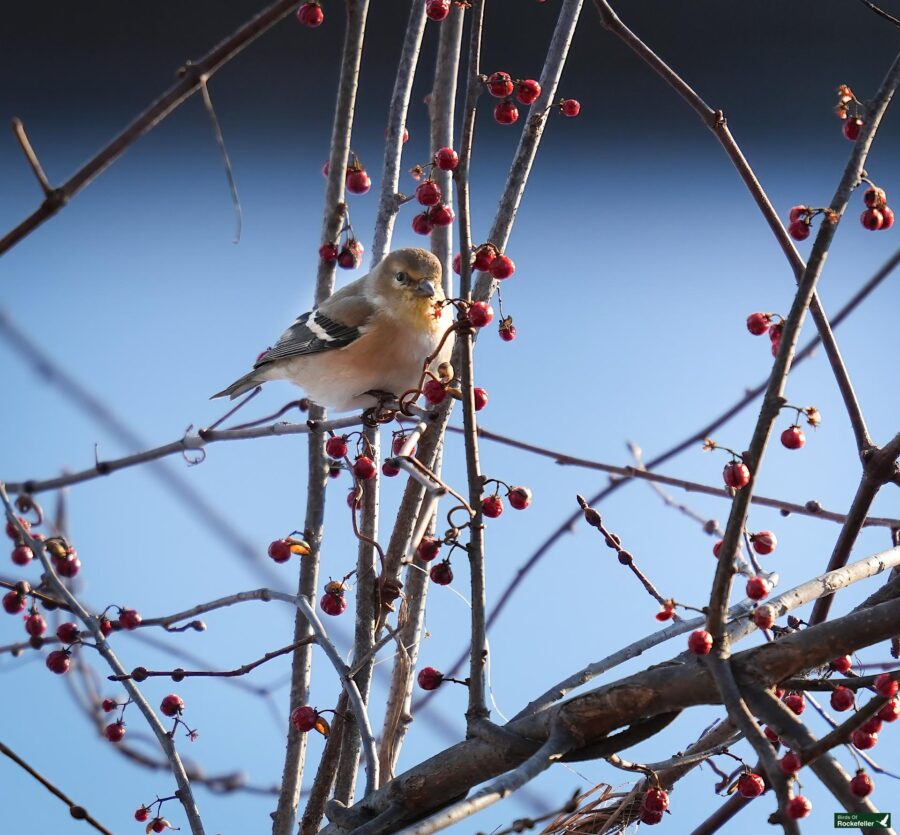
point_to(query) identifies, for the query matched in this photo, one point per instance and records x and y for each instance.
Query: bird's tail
(241, 385)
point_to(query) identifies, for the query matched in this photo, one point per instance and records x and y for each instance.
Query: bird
(368, 340)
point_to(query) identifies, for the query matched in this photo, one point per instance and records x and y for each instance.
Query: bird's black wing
(312, 333)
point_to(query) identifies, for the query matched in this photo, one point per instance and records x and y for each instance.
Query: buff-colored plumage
(371, 336)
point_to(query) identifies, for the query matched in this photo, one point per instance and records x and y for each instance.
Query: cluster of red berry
(348, 256)
(428, 194)
(502, 86)
(654, 804)
(487, 258)
(877, 214)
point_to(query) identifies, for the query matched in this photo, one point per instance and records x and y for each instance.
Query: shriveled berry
(764, 617)
(843, 664)
(886, 685)
(502, 267)
(422, 224)
(129, 619)
(358, 181)
(758, 588)
(798, 807)
(333, 603)
(68, 632)
(437, 9)
(364, 468)
(795, 702)
(793, 437)
(842, 698)
(13, 603)
(871, 219)
(22, 555)
(506, 113)
(172, 705)
(655, 800)
(875, 198)
(446, 159)
(441, 573)
(570, 107)
(764, 542)
(304, 718)
(389, 468)
(350, 255)
(863, 740)
(429, 678)
(736, 475)
(507, 329)
(519, 497)
(861, 785)
(891, 711)
(428, 548)
(328, 253)
(528, 91)
(499, 84)
(480, 396)
(758, 323)
(750, 785)
(311, 14)
(700, 642)
(280, 550)
(115, 732)
(428, 193)
(852, 128)
(492, 506)
(799, 230)
(441, 215)
(480, 314)
(434, 391)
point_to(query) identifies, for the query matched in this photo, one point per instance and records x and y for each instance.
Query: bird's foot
(383, 412)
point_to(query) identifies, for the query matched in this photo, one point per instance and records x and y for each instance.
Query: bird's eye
(401, 277)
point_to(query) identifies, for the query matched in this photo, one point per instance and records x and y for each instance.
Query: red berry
(105, 626)
(336, 446)
(428, 548)
(885, 685)
(852, 128)
(648, 817)
(570, 107)
(665, 613)
(390, 469)
(700, 642)
(129, 619)
(434, 391)
(655, 800)
(429, 678)
(422, 224)
(437, 9)
(872, 726)
(764, 617)
(334, 472)
(364, 468)
(172, 705)
(528, 91)
(457, 263)
(717, 547)
(35, 625)
(763, 542)
(115, 732)
(841, 698)
(358, 182)
(67, 568)
(861, 784)
(22, 555)
(350, 255)
(441, 215)
(790, 763)
(890, 712)
(799, 230)
(428, 193)
(500, 85)
(159, 825)
(109, 705)
(304, 718)
(798, 213)
(872, 219)
(502, 267)
(480, 314)
(142, 814)
(492, 506)
(842, 665)
(887, 217)
(446, 159)
(310, 14)
(750, 785)
(13, 603)
(771, 735)
(519, 497)
(795, 702)
(875, 198)
(12, 533)
(758, 588)
(328, 253)
(506, 113)
(793, 437)
(863, 740)
(333, 603)
(757, 323)
(507, 329)
(736, 475)
(484, 257)
(441, 573)
(480, 396)
(68, 633)
(798, 807)
(280, 550)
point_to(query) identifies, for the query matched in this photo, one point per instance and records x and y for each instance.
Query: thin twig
(880, 12)
(31, 156)
(229, 173)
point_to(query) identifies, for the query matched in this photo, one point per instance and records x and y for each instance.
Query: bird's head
(409, 282)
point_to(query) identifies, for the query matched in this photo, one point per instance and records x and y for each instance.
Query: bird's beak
(425, 288)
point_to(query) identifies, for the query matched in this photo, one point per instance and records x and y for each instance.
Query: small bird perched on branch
(369, 339)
